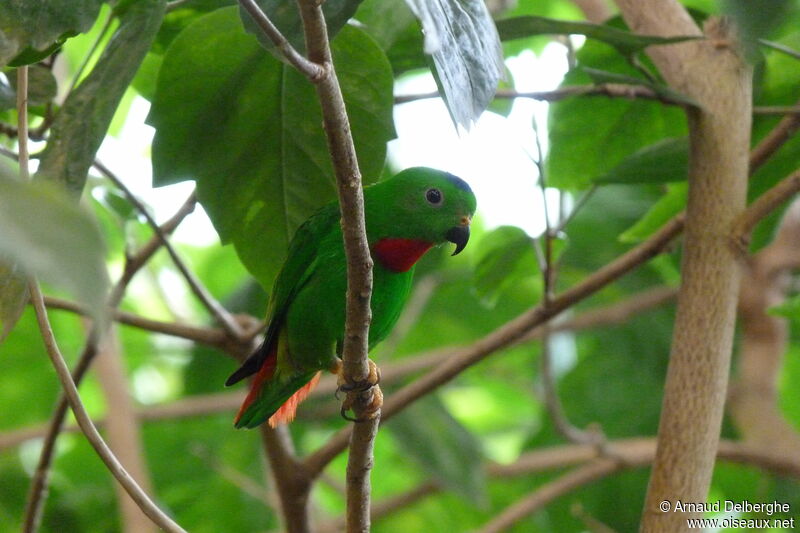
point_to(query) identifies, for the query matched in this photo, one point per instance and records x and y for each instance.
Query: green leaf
(13, 296)
(624, 42)
(84, 118)
(462, 38)
(48, 234)
(30, 31)
(286, 17)
(788, 309)
(668, 206)
(591, 136)
(507, 255)
(663, 162)
(443, 447)
(755, 19)
(246, 127)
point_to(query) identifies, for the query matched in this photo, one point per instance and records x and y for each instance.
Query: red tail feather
(287, 411)
(264, 374)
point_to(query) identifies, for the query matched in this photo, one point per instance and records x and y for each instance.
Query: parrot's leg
(356, 389)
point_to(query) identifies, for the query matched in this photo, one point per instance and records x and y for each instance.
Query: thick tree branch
(87, 427)
(715, 76)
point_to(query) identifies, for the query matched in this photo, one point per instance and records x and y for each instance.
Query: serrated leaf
(46, 233)
(625, 42)
(286, 17)
(36, 29)
(247, 128)
(506, 255)
(85, 117)
(663, 162)
(442, 447)
(462, 39)
(669, 205)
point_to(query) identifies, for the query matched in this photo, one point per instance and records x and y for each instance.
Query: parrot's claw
(355, 391)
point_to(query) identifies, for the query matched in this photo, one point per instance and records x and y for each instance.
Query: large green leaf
(286, 17)
(663, 162)
(462, 38)
(32, 30)
(625, 42)
(84, 118)
(669, 205)
(48, 234)
(443, 447)
(591, 136)
(246, 127)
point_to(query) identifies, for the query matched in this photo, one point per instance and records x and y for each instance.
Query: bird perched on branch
(406, 216)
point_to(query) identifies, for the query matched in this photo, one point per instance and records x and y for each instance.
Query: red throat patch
(400, 255)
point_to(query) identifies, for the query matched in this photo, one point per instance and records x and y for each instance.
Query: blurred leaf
(667, 207)
(13, 296)
(462, 38)
(503, 106)
(31, 31)
(788, 309)
(247, 128)
(84, 118)
(662, 162)
(386, 21)
(755, 19)
(781, 48)
(47, 234)
(507, 255)
(42, 85)
(286, 17)
(624, 42)
(442, 447)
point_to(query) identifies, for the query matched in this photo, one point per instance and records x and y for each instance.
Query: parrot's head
(421, 204)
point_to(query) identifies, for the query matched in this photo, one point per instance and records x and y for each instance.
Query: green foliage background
(246, 128)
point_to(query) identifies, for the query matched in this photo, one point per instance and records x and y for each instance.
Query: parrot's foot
(366, 393)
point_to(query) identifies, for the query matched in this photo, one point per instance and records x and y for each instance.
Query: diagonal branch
(85, 422)
(222, 315)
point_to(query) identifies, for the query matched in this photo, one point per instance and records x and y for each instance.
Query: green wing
(295, 272)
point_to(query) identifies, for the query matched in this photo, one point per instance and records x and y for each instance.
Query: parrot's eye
(434, 196)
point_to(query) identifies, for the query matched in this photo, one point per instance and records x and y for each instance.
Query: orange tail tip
(264, 374)
(287, 411)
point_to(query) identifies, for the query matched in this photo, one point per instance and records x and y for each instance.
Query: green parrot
(405, 216)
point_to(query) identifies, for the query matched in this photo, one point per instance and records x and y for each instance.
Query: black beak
(458, 235)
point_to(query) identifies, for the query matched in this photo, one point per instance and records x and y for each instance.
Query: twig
(226, 320)
(22, 124)
(291, 477)
(365, 405)
(315, 72)
(505, 335)
(84, 421)
(776, 110)
(776, 138)
(763, 206)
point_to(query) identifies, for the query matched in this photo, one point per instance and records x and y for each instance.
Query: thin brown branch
(366, 404)
(292, 479)
(221, 314)
(311, 70)
(776, 138)
(22, 122)
(597, 11)
(506, 335)
(764, 205)
(87, 427)
(611, 90)
(776, 110)
(203, 335)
